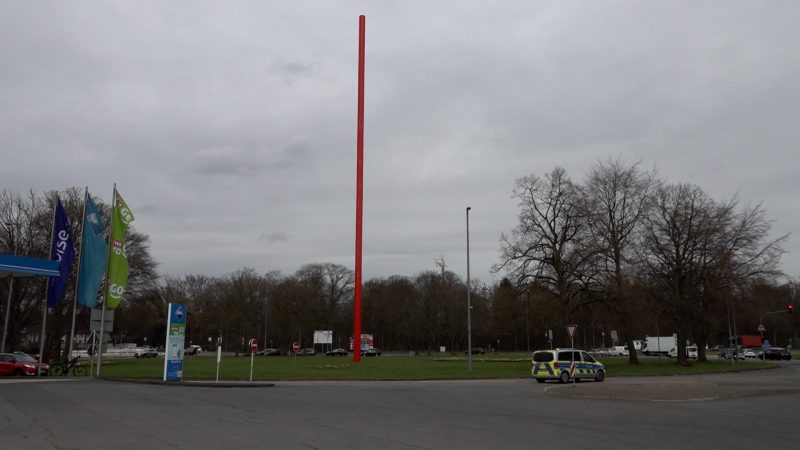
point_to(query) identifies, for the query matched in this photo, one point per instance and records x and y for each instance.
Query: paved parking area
(491, 414)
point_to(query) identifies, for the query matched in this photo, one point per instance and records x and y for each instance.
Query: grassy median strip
(667, 366)
(389, 367)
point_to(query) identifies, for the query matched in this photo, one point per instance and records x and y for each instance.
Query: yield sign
(761, 328)
(571, 330)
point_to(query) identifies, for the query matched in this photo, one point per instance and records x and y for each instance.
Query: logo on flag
(122, 216)
(63, 251)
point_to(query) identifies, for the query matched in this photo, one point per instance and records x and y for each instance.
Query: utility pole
(469, 305)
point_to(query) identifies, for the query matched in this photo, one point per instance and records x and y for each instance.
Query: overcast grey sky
(230, 126)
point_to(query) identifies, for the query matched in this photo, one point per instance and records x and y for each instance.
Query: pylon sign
(571, 330)
(173, 351)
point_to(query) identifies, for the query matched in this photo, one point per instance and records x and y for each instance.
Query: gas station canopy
(23, 266)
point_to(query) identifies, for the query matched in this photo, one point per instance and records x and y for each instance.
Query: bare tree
(548, 245)
(34, 213)
(616, 197)
(734, 253)
(672, 245)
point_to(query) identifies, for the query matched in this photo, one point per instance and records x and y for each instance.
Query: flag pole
(105, 288)
(78, 279)
(47, 292)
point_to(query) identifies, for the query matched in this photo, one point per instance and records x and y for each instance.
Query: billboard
(367, 342)
(176, 335)
(323, 337)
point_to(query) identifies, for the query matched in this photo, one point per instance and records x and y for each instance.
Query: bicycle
(73, 365)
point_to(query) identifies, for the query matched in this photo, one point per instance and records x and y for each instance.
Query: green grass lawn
(279, 368)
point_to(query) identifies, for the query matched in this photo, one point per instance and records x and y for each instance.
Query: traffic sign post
(219, 355)
(571, 330)
(253, 348)
(295, 349)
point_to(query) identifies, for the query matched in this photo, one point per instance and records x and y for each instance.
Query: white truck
(654, 345)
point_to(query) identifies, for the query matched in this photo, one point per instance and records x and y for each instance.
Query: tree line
(622, 250)
(626, 240)
(27, 222)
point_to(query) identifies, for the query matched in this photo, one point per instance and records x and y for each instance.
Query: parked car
(21, 364)
(269, 352)
(726, 353)
(600, 352)
(691, 352)
(337, 352)
(307, 352)
(775, 353)
(618, 350)
(371, 352)
(192, 350)
(145, 353)
(750, 353)
(32, 355)
(477, 351)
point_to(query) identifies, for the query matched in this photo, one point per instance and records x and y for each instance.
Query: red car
(20, 364)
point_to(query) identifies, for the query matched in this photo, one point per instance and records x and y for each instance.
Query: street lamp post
(469, 305)
(15, 238)
(266, 320)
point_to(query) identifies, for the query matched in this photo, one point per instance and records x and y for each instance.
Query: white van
(618, 350)
(691, 352)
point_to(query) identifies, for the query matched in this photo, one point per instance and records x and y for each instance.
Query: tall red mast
(359, 191)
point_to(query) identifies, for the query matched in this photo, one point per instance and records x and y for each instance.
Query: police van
(557, 365)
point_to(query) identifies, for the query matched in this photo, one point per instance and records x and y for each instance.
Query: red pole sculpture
(359, 191)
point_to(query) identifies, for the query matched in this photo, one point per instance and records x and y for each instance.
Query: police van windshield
(542, 357)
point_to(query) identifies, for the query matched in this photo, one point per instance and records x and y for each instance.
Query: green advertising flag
(117, 257)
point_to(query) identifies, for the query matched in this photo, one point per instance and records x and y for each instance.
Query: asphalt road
(497, 414)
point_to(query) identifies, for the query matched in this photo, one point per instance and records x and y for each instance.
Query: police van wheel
(564, 377)
(600, 376)
(540, 380)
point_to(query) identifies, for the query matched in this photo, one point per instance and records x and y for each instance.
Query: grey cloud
(247, 161)
(273, 237)
(220, 121)
(292, 71)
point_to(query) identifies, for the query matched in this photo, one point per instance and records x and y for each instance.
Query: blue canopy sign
(23, 266)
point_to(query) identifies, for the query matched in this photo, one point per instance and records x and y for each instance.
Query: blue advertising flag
(63, 251)
(94, 252)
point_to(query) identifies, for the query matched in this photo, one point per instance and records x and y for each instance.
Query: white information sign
(323, 337)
